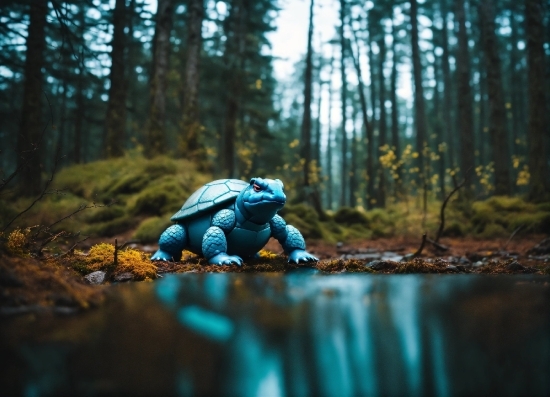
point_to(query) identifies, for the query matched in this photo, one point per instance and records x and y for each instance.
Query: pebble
(381, 265)
(95, 278)
(122, 277)
(515, 266)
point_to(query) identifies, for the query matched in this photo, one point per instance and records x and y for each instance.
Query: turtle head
(262, 199)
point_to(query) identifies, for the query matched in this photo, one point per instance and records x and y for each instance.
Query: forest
(132, 106)
(375, 221)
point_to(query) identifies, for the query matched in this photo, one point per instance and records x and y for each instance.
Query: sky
(289, 45)
(289, 41)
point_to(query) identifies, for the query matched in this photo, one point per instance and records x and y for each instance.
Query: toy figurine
(228, 219)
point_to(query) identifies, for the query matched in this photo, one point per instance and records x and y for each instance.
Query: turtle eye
(257, 188)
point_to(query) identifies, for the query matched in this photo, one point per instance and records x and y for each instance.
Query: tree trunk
(155, 138)
(382, 131)
(30, 142)
(364, 114)
(515, 82)
(191, 126)
(464, 98)
(306, 119)
(372, 152)
(234, 59)
(438, 128)
(330, 196)
(317, 147)
(344, 177)
(79, 113)
(396, 147)
(497, 112)
(450, 135)
(353, 179)
(419, 106)
(115, 119)
(538, 127)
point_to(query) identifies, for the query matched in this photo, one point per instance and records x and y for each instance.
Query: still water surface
(294, 334)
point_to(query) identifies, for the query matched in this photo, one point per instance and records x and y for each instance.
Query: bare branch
(442, 212)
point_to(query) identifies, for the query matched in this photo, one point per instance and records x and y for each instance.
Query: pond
(293, 334)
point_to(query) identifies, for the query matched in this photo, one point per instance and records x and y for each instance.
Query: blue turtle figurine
(228, 219)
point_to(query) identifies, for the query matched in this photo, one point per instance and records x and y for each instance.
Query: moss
(305, 219)
(159, 199)
(538, 222)
(505, 203)
(350, 216)
(105, 214)
(150, 229)
(137, 263)
(544, 206)
(113, 227)
(101, 257)
(382, 223)
(454, 229)
(493, 230)
(160, 166)
(129, 184)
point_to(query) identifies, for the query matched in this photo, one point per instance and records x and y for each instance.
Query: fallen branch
(512, 236)
(438, 246)
(444, 205)
(421, 248)
(71, 250)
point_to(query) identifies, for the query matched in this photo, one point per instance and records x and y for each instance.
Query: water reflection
(300, 334)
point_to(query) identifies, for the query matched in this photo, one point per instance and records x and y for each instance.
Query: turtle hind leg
(171, 243)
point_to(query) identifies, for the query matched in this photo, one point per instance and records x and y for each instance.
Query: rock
(123, 277)
(461, 268)
(479, 264)
(452, 268)
(95, 278)
(541, 248)
(381, 265)
(474, 256)
(464, 261)
(514, 266)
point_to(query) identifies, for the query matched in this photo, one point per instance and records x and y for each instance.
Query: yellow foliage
(267, 254)
(101, 257)
(523, 176)
(17, 241)
(294, 144)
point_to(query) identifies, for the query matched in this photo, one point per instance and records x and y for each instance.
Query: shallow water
(294, 334)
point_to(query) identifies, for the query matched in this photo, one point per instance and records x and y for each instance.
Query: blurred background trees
(195, 79)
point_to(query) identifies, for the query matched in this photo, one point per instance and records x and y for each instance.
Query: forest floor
(58, 284)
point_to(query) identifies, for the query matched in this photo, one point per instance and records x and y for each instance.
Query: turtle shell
(210, 196)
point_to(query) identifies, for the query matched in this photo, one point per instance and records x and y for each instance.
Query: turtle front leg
(171, 242)
(214, 248)
(292, 241)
